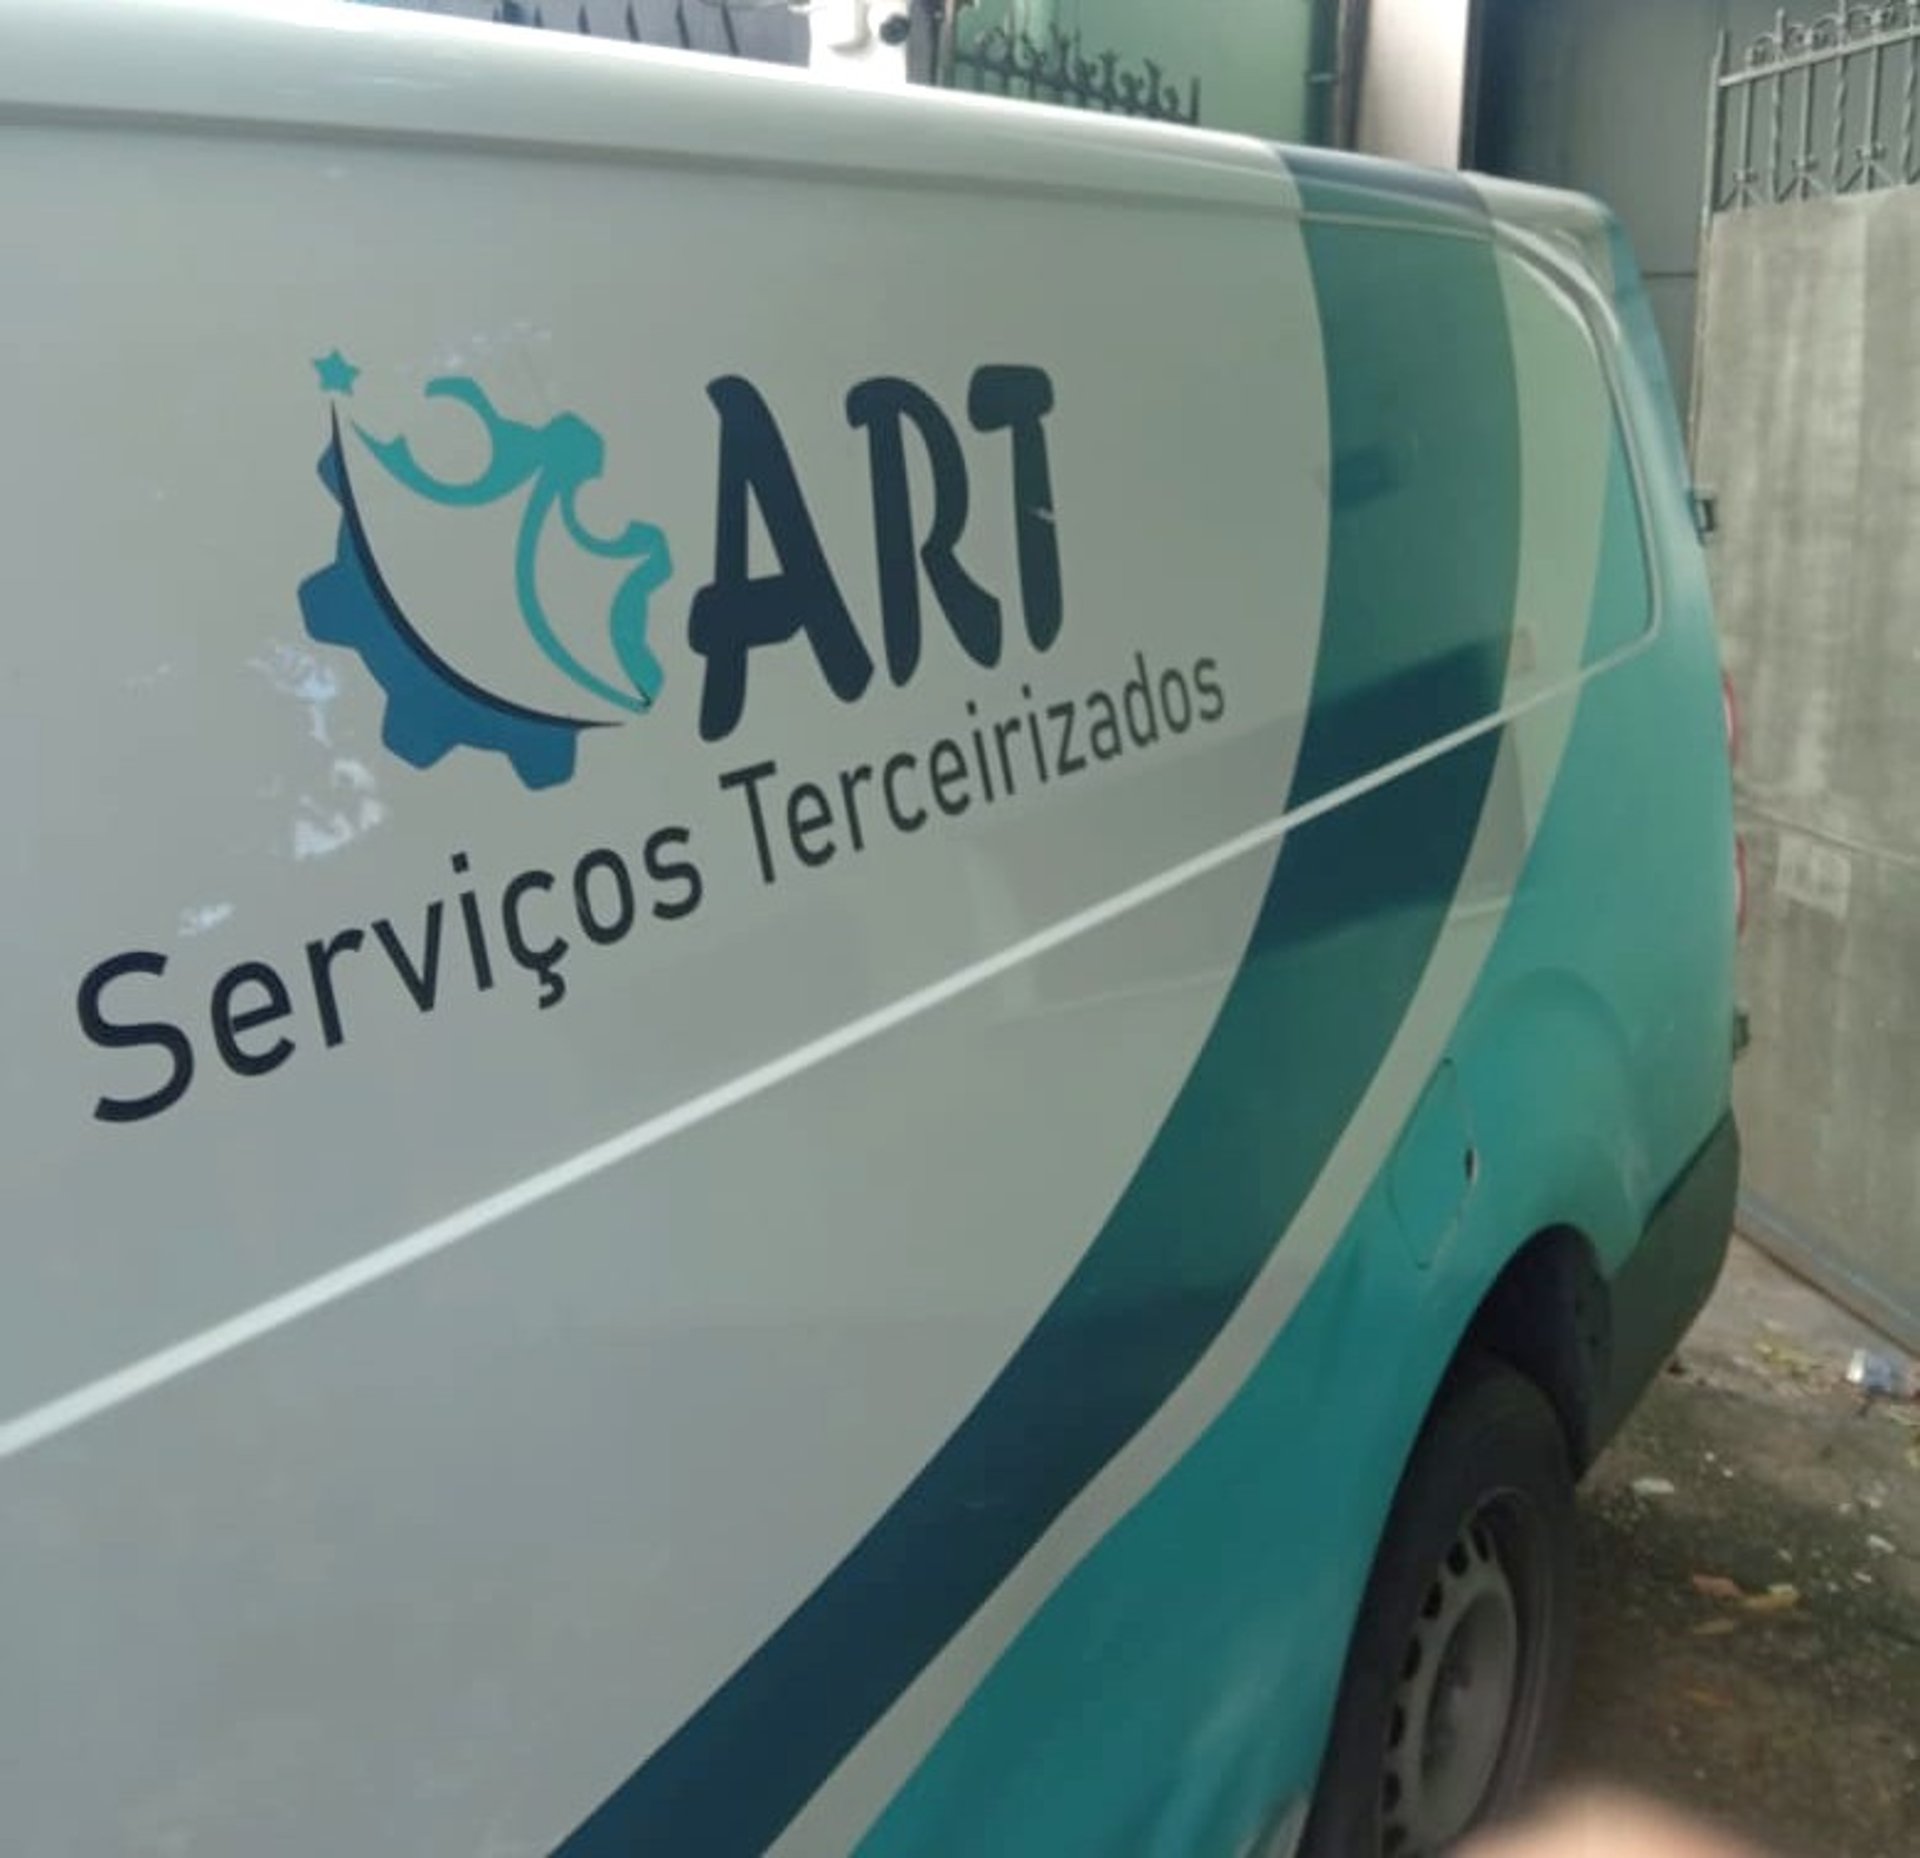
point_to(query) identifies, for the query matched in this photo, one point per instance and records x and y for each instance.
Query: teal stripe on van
(1420, 375)
(1352, 911)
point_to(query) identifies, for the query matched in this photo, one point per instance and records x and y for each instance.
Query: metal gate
(948, 46)
(1807, 434)
(1055, 67)
(1813, 108)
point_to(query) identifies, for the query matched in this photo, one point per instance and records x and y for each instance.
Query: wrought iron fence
(1057, 68)
(1815, 107)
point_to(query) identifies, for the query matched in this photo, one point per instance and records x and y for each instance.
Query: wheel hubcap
(1455, 1698)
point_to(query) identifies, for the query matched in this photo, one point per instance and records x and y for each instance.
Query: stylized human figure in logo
(556, 460)
(432, 706)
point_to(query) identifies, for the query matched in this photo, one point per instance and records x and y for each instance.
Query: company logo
(432, 705)
(775, 588)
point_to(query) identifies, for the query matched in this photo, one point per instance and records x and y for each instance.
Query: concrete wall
(1413, 80)
(1810, 437)
(1609, 97)
(773, 34)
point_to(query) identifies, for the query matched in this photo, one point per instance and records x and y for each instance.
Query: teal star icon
(337, 374)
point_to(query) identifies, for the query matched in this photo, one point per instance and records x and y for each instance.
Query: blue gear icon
(431, 707)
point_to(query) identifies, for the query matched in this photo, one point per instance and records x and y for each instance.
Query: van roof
(333, 67)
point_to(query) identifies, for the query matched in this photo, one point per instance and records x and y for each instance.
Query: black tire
(1425, 1746)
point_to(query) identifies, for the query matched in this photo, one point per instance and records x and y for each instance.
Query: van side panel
(1355, 904)
(1177, 1683)
(593, 1200)
(753, 939)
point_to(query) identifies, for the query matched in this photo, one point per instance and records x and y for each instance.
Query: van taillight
(1730, 715)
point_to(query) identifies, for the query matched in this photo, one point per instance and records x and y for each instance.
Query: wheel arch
(1548, 1315)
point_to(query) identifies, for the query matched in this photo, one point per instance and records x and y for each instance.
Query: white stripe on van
(150, 1372)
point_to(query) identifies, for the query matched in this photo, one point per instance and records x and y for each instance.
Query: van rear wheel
(1459, 1662)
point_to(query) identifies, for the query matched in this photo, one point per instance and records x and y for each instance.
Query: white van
(870, 957)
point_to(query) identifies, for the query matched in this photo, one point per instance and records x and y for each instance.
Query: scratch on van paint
(303, 676)
(198, 918)
(319, 830)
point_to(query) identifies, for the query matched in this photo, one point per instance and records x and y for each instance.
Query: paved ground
(1751, 1638)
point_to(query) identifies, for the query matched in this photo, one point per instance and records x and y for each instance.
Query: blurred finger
(1609, 1826)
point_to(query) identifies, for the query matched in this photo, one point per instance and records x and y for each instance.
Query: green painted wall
(1251, 56)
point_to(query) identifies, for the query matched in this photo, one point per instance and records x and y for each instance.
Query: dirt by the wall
(1751, 1637)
